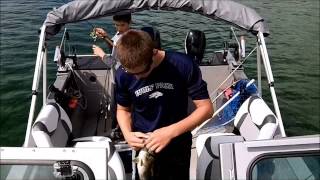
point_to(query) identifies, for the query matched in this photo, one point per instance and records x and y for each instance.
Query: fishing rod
(233, 71)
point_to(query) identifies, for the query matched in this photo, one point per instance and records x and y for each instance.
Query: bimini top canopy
(226, 10)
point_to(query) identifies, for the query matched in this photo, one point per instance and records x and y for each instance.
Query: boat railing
(41, 63)
(262, 52)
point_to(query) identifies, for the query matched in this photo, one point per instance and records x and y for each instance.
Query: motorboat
(73, 135)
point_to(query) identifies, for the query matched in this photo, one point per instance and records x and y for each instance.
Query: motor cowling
(195, 45)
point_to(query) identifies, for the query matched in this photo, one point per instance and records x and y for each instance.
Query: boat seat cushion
(52, 127)
(255, 120)
(208, 146)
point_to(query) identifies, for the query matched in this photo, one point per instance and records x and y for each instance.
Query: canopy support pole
(44, 78)
(259, 70)
(268, 70)
(35, 83)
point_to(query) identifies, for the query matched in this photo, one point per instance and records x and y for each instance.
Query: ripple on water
(293, 47)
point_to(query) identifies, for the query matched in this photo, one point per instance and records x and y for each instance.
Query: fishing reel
(93, 35)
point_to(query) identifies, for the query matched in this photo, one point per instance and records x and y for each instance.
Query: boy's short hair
(134, 49)
(124, 17)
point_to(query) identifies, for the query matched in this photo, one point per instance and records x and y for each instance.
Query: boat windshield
(31, 172)
(305, 167)
(50, 171)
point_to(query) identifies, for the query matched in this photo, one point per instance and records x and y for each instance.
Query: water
(293, 48)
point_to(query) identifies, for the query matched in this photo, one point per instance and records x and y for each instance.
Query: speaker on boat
(195, 44)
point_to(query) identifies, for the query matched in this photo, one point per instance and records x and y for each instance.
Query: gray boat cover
(229, 11)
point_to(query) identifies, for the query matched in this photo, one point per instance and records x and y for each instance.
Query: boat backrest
(255, 120)
(52, 127)
(207, 146)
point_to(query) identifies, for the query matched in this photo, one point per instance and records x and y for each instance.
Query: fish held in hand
(145, 160)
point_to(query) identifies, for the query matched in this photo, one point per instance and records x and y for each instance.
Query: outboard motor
(195, 44)
(154, 34)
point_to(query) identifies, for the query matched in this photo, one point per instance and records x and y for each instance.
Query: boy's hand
(136, 139)
(159, 139)
(98, 51)
(101, 33)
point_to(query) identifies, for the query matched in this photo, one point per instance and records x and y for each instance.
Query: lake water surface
(293, 48)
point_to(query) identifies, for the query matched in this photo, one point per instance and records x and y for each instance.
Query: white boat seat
(255, 120)
(207, 146)
(115, 165)
(52, 127)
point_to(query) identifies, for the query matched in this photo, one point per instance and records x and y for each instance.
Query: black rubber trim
(112, 150)
(65, 126)
(268, 119)
(243, 117)
(271, 84)
(209, 149)
(57, 108)
(39, 126)
(34, 92)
